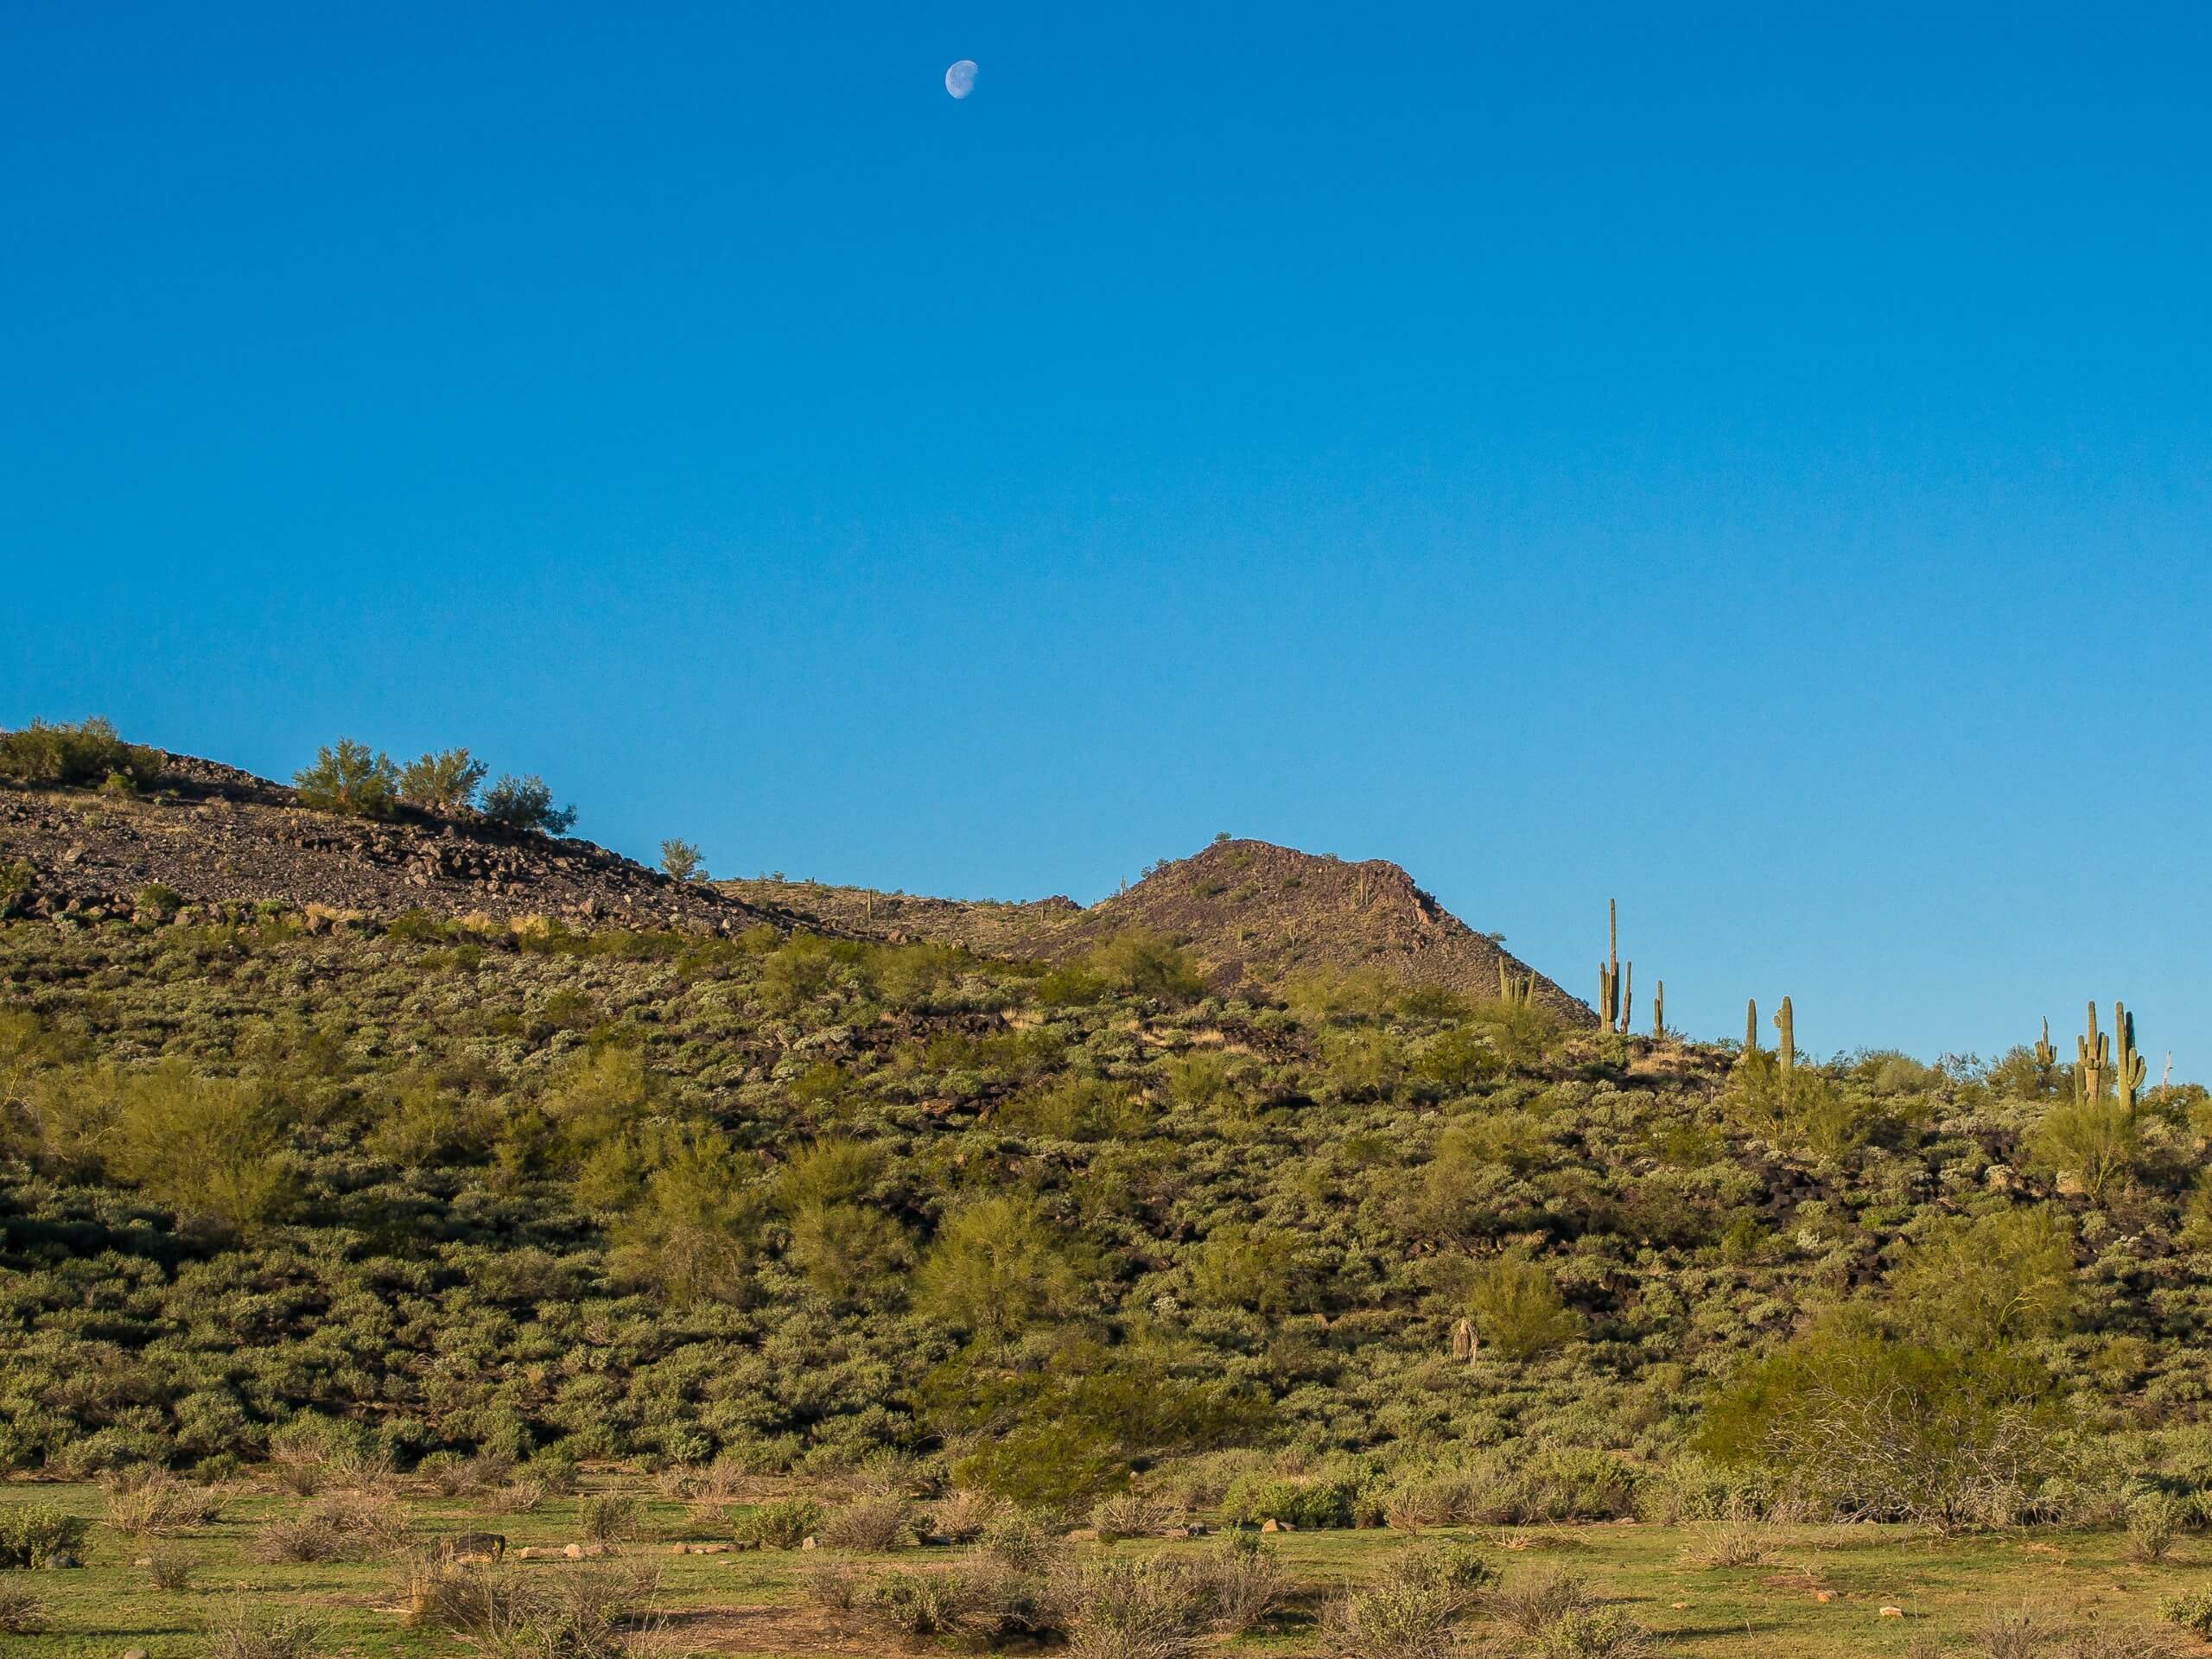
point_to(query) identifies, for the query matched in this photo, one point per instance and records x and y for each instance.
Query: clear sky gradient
(1749, 461)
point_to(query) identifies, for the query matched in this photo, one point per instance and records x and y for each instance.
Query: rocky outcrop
(1247, 909)
(213, 836)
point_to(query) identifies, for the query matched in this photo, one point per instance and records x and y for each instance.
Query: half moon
(960, 79)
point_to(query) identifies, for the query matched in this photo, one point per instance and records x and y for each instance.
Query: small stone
(134, 1653)
(1678, 1605)
(1824, 1595)
(1892, 1613)
(574, 1552)
(809, 1543)
(1272, 1525)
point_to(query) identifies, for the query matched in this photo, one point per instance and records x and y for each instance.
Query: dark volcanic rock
(215, 835)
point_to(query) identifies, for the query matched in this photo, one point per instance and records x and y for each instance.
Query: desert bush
(1132, 1514)
(168, 1568)
(1239, 1582)
(870, 1523)
(21, 1613)
(1415, 1607)
(348, 777)
(1140, 963)
(1531, 1604)
(38, 1534)
(443, 782)
(2191, 1609)
(527, 804)
(88, 753)
(1251, 1500)
(963, 1516)
(781, 1525)
(681, 862)
(204, 1147)
(554, 1471)
(2098, 1143)
(1878, 1427)
(1023, 1540)
(336, 1527)
(515, 1497)
(1592, 1633)
(995, 1266)
(311, 1453)
(1975, 1283)
(1123, 1608)
(239, 1630)
(150, 1503)
(1739, 1537)
(160, 902)
(589, 1611)
(1517, 1309)
(2152, 1521)
(610, 1517)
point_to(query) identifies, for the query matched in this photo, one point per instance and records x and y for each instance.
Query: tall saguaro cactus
(1783, 1023)
(1613, 976)
(1659, 1011)
(2129, 1066)
(1750, 1024)
(1515, 990)
(2092, 1056)
(2046, 1056)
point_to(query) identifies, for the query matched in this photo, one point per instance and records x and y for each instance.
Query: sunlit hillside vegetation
(787, 1203)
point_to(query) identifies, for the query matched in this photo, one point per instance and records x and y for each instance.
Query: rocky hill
(203, 835)
(1247, 909)
(211, 834)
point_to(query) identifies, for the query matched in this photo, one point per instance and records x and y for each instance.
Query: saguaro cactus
(1515, 990)
(1789, 1042)
(1658, 1010)
(2092, 1055)
(2046, 1056)
(1613, 976)
(2128, 1077)
(1750, 1024)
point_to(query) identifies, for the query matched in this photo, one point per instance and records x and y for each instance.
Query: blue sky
(1752, 465)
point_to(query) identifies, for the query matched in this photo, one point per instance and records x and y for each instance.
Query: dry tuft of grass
(336, 1527)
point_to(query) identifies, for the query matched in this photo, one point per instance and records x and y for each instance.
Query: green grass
(728, 1602)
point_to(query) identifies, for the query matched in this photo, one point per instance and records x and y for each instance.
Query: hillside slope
(216, 836)
(792, 1203)
(1246, 909)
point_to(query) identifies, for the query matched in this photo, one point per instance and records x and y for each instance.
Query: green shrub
(610, 1517)
(995, 1266)
(782, 1524)
(680, 861)
(159, 902)
(444, 782)
(1302, 1504)
(2097, 1142)
(76, 756)
(1412, 1608)
(1517, 1309)
(2191, 1609)
(37, 1534)
(1141, 962)
(527, 804)
(870, 1523)
(348, 777)
(1876, 1426)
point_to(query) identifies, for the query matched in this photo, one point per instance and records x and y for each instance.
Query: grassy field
(1818, 1591)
